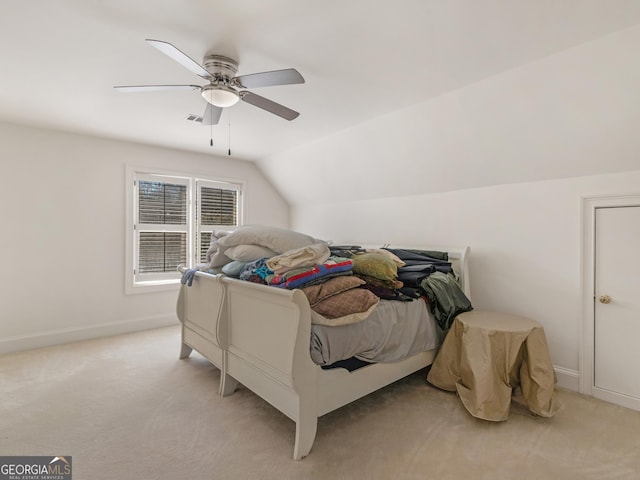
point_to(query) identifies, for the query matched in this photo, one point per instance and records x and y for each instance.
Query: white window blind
(217, 209)
(173, 220)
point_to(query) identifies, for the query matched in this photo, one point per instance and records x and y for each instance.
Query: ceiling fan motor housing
(220, 91)
(221, 68)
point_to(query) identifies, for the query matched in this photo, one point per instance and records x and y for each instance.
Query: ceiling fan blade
(154, 88)
(180, 57)
(268, 79)
(269, 105)
(211, 115)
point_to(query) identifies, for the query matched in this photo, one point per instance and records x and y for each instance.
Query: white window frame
(136, 283)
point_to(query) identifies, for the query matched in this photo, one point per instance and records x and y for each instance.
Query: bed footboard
(200, 309)
(266, 348)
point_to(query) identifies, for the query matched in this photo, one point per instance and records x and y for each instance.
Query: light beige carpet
(126, 408)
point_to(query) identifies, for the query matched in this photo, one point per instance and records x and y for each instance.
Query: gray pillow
(234, 268)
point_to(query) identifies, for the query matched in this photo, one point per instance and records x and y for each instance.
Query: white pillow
(216, 256)
(248, 253)
(278, 240)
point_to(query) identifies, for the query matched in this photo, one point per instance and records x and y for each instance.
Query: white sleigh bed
(259, 336)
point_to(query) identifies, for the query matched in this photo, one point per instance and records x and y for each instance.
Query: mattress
(394, 330)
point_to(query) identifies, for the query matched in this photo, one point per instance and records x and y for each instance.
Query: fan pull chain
(229, 151)
(211, 129)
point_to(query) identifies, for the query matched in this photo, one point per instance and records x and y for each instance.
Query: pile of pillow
(252, 242)
(339, 300)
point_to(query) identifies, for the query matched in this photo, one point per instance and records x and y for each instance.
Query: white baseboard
(58, 337)
(569, 379)
(617, 398)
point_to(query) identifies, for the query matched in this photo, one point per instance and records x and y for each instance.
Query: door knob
(605, 299)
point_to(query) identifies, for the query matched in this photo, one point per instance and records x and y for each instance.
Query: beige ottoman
(487, 355)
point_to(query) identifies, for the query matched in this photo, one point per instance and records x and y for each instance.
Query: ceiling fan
(225, 89)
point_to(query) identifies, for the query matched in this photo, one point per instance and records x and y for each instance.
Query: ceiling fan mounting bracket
(220, 67)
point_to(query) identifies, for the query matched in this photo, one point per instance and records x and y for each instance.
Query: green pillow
(375, 265)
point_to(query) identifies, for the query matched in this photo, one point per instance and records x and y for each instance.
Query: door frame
(587, 331)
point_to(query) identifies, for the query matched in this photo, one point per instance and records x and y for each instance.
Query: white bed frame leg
(306, 428)
(228, 385)
(185, 351)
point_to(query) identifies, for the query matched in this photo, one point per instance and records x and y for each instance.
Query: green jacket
(446, 298)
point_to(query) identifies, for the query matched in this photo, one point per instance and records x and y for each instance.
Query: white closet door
(617, 306)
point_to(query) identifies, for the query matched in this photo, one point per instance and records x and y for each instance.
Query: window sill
(153, 286)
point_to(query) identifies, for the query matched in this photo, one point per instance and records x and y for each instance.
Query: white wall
(63, 233)
(495, 147)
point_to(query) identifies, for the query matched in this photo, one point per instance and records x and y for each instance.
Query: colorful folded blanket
(300, 276)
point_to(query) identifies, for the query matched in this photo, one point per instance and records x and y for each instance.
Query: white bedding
(393, 331)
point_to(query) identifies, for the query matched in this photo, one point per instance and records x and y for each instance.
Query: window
(217, 209)
(172, 219)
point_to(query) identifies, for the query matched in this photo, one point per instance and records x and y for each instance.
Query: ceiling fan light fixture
(220, 96)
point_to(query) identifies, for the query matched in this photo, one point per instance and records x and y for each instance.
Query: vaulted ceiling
(361, 59)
